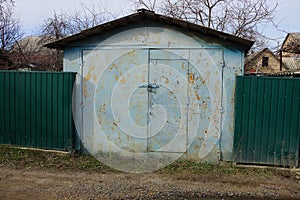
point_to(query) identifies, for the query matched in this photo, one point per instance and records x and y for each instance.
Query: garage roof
(143, 14)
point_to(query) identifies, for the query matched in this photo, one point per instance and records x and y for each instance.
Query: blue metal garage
(151, 89)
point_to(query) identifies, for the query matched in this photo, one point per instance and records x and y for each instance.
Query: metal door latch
(151, 87)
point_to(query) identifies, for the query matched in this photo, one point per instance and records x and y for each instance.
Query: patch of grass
(188, 166)
(25, 158)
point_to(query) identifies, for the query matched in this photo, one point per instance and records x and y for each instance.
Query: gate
(36, 109)
(267, 129)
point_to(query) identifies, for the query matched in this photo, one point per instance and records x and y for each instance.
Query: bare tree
(55, 27)
(10, 32)
(86, 17)
(197, 11)
(66, 23)
(10, 29)
(240, 18)
(148, 4)
(3, 2)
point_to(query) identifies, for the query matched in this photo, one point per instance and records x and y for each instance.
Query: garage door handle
(150, 85)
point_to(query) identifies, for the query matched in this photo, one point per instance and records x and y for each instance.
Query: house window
(265, 61)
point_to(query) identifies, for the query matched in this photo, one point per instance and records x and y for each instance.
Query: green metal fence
(36, 109)
(267, 122)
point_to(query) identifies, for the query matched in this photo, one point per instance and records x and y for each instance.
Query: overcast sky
(33, 12)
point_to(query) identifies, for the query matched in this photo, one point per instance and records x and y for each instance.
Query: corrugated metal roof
(291, 63)
(288, 73)
(146, 14)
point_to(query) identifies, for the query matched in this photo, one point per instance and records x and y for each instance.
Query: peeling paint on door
(156, 107)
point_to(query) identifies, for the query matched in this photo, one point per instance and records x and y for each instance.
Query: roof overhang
(146, 14)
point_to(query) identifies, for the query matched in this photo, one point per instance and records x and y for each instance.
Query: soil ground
(26, 174)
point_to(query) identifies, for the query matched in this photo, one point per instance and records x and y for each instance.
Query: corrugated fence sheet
(267, 122)
(36, 109)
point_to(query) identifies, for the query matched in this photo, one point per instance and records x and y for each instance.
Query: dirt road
(54, 183)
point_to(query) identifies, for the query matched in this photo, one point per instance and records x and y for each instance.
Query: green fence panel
(267, 129)
(36, 109)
